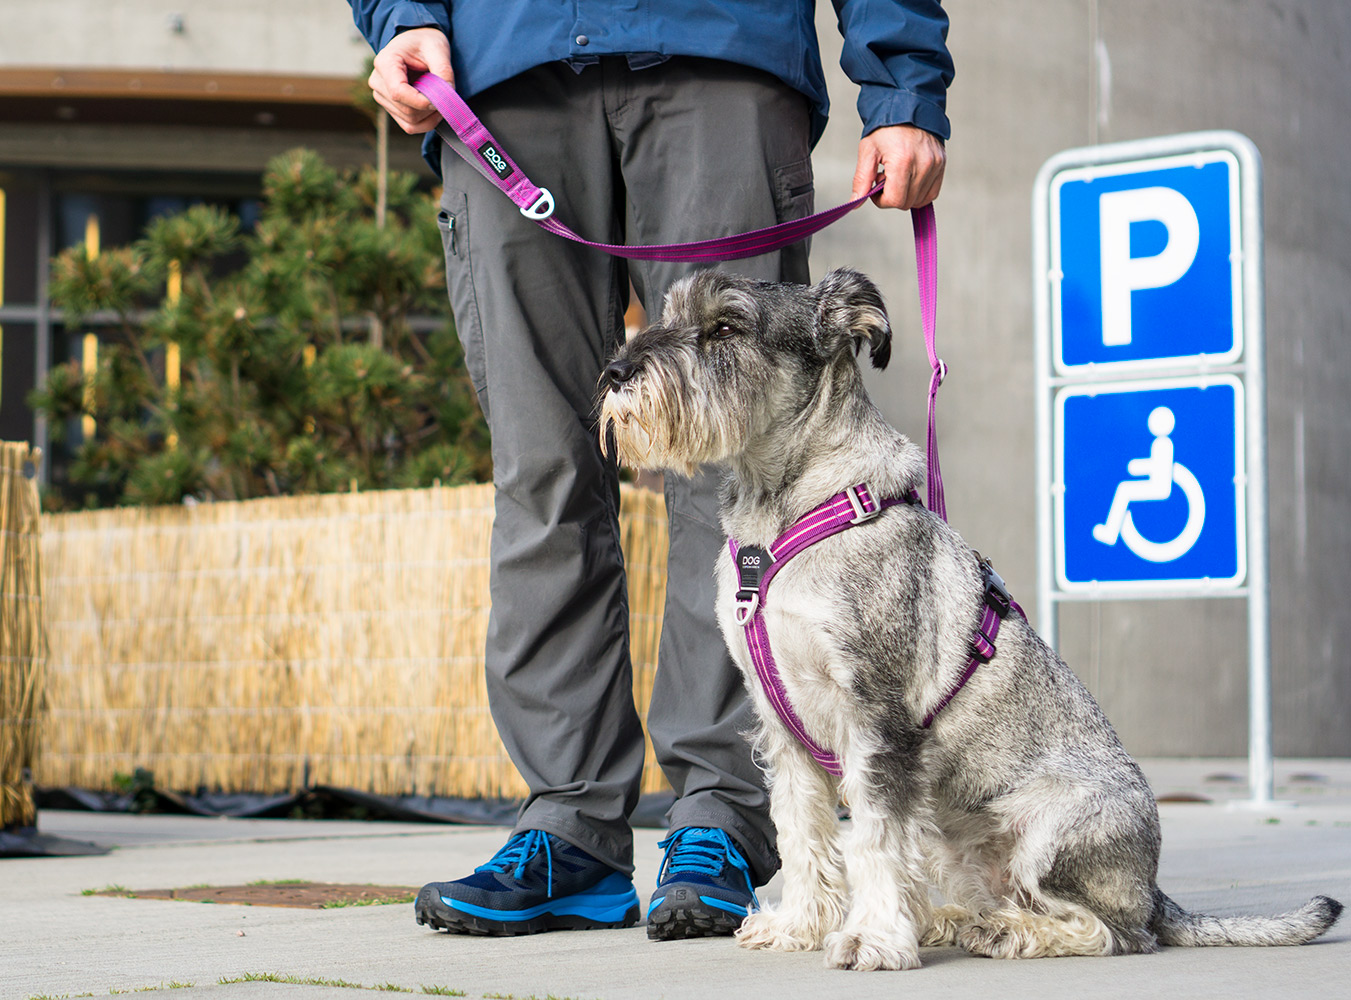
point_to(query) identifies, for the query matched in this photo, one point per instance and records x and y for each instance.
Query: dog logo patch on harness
(751, 564)
(496, 160)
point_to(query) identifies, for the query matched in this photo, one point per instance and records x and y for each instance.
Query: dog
(1016, 800)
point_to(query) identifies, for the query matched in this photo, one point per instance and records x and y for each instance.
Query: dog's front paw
(866, 951)
(777, 931)
(990, 940)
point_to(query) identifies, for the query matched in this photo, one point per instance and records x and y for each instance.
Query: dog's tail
(1175, 926)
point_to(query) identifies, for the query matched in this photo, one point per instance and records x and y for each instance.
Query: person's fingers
(413, 121)
(436, 54)
(900, 173)
(935, 184)
(865, 174)
(408, 54)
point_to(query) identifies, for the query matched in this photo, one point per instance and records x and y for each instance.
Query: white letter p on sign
(1122, 273)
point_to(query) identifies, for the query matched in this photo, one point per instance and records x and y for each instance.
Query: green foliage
(140, 785)
(316, 353)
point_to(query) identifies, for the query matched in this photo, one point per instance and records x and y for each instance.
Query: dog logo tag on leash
(495, 160)
(751, 565)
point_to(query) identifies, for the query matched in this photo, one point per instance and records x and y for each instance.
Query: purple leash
(926, 272)
(470, 138)
(477, 147)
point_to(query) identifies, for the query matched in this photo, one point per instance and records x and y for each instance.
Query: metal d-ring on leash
(466, 134)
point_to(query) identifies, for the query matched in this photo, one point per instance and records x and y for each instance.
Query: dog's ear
(849, 311)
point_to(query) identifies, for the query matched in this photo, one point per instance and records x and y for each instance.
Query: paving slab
(55, 941)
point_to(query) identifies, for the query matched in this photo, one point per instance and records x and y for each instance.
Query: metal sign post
(1151, 396)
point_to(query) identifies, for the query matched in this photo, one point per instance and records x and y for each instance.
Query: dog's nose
(618, 372)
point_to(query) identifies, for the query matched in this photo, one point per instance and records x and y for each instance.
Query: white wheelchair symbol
(1160, 474)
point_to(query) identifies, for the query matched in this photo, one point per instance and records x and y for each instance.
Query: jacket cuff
(881, 106)
(406, 15)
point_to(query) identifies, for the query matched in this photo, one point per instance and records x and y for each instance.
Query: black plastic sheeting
(321, 801)
(26, 842)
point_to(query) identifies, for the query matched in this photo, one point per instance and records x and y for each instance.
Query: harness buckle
(997, 595)
(747, 603)
(861, 513)
(541, 208)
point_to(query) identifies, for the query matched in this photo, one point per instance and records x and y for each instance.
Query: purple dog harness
(756, 568)
(466, 134)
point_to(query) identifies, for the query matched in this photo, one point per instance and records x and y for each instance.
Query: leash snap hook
(541, 208)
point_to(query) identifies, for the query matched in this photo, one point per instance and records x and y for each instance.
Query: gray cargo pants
(688, 149)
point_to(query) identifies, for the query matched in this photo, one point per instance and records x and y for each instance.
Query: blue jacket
(895, 50)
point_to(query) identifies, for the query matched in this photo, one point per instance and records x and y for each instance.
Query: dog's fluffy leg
(945, 924)
(802, 805)
(1015, 932)
(890, 892)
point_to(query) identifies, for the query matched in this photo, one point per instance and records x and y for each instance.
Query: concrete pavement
(56, 942)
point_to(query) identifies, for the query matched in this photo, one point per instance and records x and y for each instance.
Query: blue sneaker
(704, 887)
(536, 882)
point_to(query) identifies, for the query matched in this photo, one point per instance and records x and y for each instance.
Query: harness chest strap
(756, 568)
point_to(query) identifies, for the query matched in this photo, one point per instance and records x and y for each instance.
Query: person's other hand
(912, 161)
(417, 50)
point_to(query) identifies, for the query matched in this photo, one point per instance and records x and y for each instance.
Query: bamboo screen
(270, 645)
(22, 660)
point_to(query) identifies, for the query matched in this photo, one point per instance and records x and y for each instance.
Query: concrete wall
(1034, 78)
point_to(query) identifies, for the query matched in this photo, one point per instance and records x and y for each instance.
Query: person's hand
(912, 161)
(417, 50)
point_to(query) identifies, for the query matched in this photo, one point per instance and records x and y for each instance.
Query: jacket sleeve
(381, 20)
(896, 51)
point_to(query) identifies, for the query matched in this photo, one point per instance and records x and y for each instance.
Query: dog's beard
(654, 430)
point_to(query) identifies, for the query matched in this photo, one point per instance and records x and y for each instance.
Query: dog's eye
(723, 331)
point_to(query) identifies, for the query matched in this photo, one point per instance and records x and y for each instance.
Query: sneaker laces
(518, 851)
(703, 851)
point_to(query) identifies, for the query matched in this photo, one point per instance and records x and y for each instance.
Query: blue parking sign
(1146, 259)
(1150, 483)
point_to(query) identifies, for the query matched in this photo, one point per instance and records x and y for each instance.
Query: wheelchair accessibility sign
(1150, 483)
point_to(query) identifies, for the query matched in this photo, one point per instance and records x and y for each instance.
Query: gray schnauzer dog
(1018, 803)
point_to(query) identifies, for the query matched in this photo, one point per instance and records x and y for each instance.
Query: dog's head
(731, 357)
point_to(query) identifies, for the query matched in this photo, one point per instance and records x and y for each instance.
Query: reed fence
(22, 648)
(272, 645)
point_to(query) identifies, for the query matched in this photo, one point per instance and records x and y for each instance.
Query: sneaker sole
(692, 920)
(432, 911)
